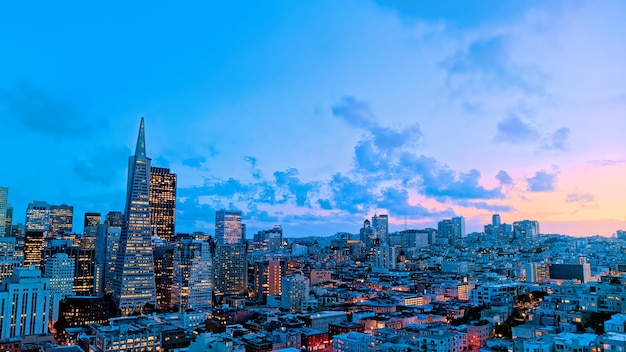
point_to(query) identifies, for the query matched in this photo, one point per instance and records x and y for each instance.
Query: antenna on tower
(406, 227)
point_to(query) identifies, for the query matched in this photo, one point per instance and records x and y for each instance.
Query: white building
(60, 272)
(24, 301)
(295, 291)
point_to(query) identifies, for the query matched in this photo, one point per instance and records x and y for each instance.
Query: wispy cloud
(542, 181)
(580, 198)
(504, 178)
(40, 112)
(557, 140)
(195, 162)
(515, 130)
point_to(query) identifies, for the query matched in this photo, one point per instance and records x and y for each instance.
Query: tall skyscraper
(230, 258)
(193, 275)
(228, 228)
(162, 202)
(38, 216)
(92, 220)
(114, 223)
(61, 219)
(452, 229)
(134, 285)
(230, 269)
(496, 223)
(164, 274)
(380, 224)
(4, 204)
(34, 244)
(8, 228)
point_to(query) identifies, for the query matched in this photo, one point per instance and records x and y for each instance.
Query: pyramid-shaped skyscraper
(133, 283)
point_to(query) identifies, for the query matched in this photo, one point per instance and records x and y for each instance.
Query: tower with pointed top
(133, 282)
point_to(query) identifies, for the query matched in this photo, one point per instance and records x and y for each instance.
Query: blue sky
(315, 115)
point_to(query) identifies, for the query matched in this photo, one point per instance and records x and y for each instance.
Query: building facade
(162, 202)
(61, 219)
(192, 286)
(24, 300)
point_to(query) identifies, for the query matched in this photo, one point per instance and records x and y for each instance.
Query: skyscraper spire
(140, 150)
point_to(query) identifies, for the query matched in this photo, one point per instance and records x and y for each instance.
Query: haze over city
(317, 115)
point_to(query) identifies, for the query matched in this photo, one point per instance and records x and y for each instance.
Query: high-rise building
(230, 269)
(380, 224)
(60, 271)
(526, 228)
(61, 219)
(230, 260)
(34, 244)
(113, 226)
(100, 258)
(162, 202)
(268, 276)
(134, 285)
(4, 204)
(367, 232)
(193, 275)
(8, 228)
(295, 290)
(496, 221)
(114, 232)
(114, 219)
(92, 220)
(228, 227)
(269, 240)
(24, 302)
(384, 258)
(84, 260)
(452, 229)
(8, 261)
(38, 216)
(164, 274)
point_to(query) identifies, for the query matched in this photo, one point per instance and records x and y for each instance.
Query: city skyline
(423, 113)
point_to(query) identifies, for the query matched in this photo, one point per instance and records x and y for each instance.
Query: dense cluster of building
(129, 282)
